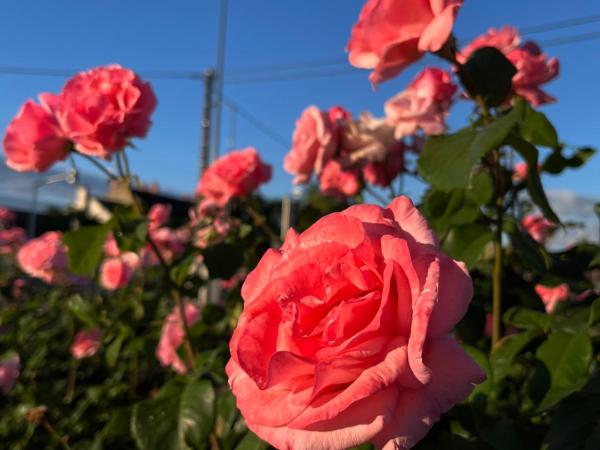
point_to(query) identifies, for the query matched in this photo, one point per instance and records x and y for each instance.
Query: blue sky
(181, 35)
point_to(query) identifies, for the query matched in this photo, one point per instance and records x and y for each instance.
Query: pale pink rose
(235, 174)
(111, 248)
(7, 218)
(392, 34)
(172, 336)
(552, 295)
(9, 372)
(366, 139)
(538, 227)
(313, 144)
(520, 172)
(343, 338)
(336, 181)
(34, 141)
(11, 239)
(382, 173)
(86, 343)
(116, 273)
(533, 66)
(533, 70)
(44, 257)
(103, 108)
(159, 215)
(424, 105)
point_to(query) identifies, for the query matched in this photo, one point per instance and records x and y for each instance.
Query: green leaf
(536, 129)
(114, 348)
(252, 442)
(532, 254)
(83, 310)
(526, 318)
(180, 417)
(86, 248)
(488, 74)
(482, 360)
(447, 161)
(575, 424)
(506, 350)
(594, 313)
(481, 188)
(567, 357)
(534, 184)
(180, 271)
(467, 242)
(557, 162)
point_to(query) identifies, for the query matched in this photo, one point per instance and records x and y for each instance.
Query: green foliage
(85, 248)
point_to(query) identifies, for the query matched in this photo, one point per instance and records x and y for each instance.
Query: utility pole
(209, 76)
(220, 71)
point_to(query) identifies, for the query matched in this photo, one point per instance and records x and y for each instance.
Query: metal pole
(209, 76)
(222, 38)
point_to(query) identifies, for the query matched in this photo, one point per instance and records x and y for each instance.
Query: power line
(256, 122)
(66, 73)
(571, 39)
(561, 24)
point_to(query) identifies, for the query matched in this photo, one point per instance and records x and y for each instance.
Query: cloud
(578, 209)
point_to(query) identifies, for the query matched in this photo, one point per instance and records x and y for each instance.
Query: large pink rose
(172, 336)
(11, 239)
(313, 144)
(533, 66)
(9, 372)
(116, 273)
(392, 34)
(33, 139)
(538, 227)
(336, 181)
(235, 174)
(423, 105)
(344, 334)
(551, 296)
(44, 257)
(86, 343)
(103, 108)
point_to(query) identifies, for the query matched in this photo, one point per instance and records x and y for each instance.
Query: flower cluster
(96, 114)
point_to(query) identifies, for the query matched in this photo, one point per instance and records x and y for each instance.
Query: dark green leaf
(181, 417)
(594, 313)
(536, 129)
(488, 74)
(567, 357)
(482, 360)
(532, 254)
(114, 348)
(467, 242)
(181, 270)
(502, 435)
(505, 352)
(447, 161)
(86, 248)
(557, 162)
(252, 442)
(526, 318)
(481, 188)
(534, 184)
(83, 310)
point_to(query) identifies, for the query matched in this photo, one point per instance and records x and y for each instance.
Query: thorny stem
(261, 221)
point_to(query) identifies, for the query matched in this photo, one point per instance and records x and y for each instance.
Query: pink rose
(111, 248)
(423, 105)
(86, 343)
(533, 67)
(344, 334)
(384, 172)
(33, 139)
(520, 172)
(336, 181)
(103, 108)
(116, 273)
(552, 295)
(235, 174)
(313, 144)
(171, 244)
(172, 335)
(11, 239)
(44, 257)
(7, 218)
(159, 215)
(538, 227)
(392, 34)
(533, 70)
(9, 372)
